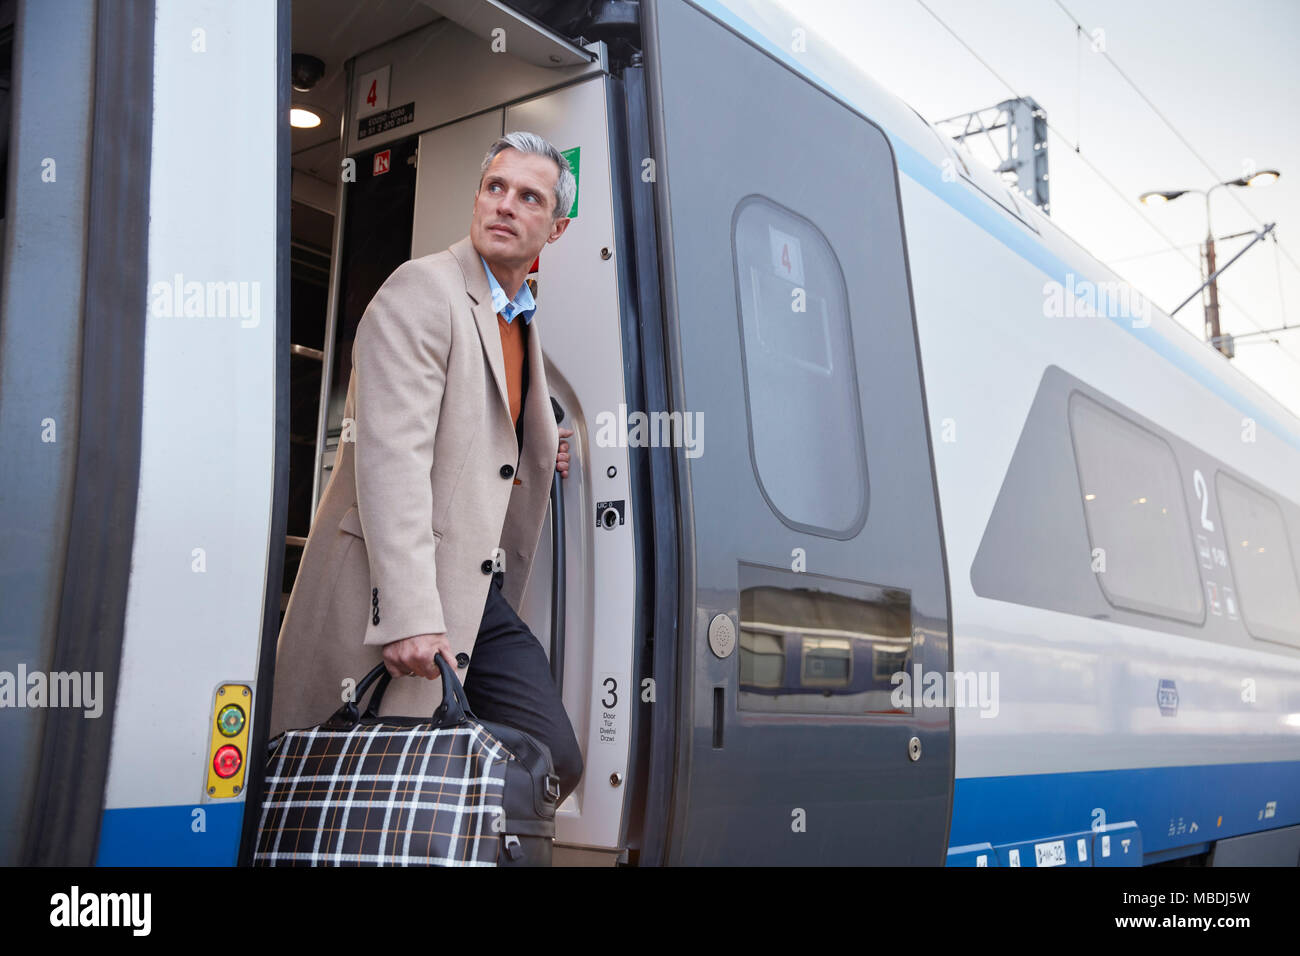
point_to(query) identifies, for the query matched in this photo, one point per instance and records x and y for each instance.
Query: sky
(1225, 77)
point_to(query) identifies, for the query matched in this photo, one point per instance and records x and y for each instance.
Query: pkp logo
(382, 162)
(1167, 698)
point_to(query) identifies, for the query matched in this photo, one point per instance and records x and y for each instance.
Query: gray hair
(566, 187)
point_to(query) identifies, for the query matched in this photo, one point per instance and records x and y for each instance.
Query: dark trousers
(510, 682)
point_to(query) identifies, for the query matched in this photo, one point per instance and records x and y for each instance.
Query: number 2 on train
(1203, 495)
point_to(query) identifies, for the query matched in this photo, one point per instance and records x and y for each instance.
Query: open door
(417, 181)
(812, 563)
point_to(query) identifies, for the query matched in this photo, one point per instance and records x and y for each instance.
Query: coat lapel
(527, 508)
(476, 284)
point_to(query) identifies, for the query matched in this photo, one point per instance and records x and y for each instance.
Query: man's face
(513, 207)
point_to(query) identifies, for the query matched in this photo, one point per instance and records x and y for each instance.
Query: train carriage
(920, 563)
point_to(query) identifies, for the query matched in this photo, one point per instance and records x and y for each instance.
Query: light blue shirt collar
(521, 304)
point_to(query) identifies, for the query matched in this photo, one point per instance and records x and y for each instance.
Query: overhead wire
(1183, 139)
(1124, 198)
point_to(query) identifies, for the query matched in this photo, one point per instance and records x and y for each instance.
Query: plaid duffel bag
(366, 790)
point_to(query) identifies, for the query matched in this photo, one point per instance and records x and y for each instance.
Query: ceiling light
(302, 118)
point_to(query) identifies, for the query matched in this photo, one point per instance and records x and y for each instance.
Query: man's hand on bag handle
(414, 656)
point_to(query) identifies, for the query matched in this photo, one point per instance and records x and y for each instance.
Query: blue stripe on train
(1164, 802)
(171, 836)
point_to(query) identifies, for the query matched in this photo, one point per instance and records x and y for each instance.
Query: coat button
(486, 566)
(507, 471)
(462, 659)
(375, 619)
(374, 592)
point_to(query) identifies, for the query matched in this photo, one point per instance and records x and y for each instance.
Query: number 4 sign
(371, 94)
(787, 255)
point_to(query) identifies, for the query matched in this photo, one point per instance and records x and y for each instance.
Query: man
(423, 541)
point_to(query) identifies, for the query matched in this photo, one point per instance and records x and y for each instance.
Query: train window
(1136, 514)
(824, 647)
(805, 424)
(827, 662)
(887, 661)
(762, 658)
(1263, 564)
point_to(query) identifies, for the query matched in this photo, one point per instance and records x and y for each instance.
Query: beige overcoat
(422, 493)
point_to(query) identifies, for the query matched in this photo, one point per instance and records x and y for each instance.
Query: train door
(812, 565)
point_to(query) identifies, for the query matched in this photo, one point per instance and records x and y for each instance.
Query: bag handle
(453, 711)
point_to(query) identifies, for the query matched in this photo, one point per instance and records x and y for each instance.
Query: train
(973, 557)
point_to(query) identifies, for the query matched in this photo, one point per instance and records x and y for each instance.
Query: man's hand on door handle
(562, 456)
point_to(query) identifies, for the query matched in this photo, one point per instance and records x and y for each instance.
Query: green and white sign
(572, 155)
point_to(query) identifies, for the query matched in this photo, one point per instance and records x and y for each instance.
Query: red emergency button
(227, 761)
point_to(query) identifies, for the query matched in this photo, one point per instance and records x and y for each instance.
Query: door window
(805, 425)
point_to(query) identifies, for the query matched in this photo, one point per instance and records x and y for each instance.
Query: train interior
(415, 98)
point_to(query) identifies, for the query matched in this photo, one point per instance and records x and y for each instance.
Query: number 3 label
(607, 729)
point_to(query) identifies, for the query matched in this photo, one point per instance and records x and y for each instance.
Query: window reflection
(815, 650)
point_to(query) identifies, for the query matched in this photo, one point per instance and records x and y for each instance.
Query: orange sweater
(512, 348)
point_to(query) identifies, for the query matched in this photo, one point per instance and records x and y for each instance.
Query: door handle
(558, 569)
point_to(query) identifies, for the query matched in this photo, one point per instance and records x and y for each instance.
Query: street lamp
(1158, 197)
